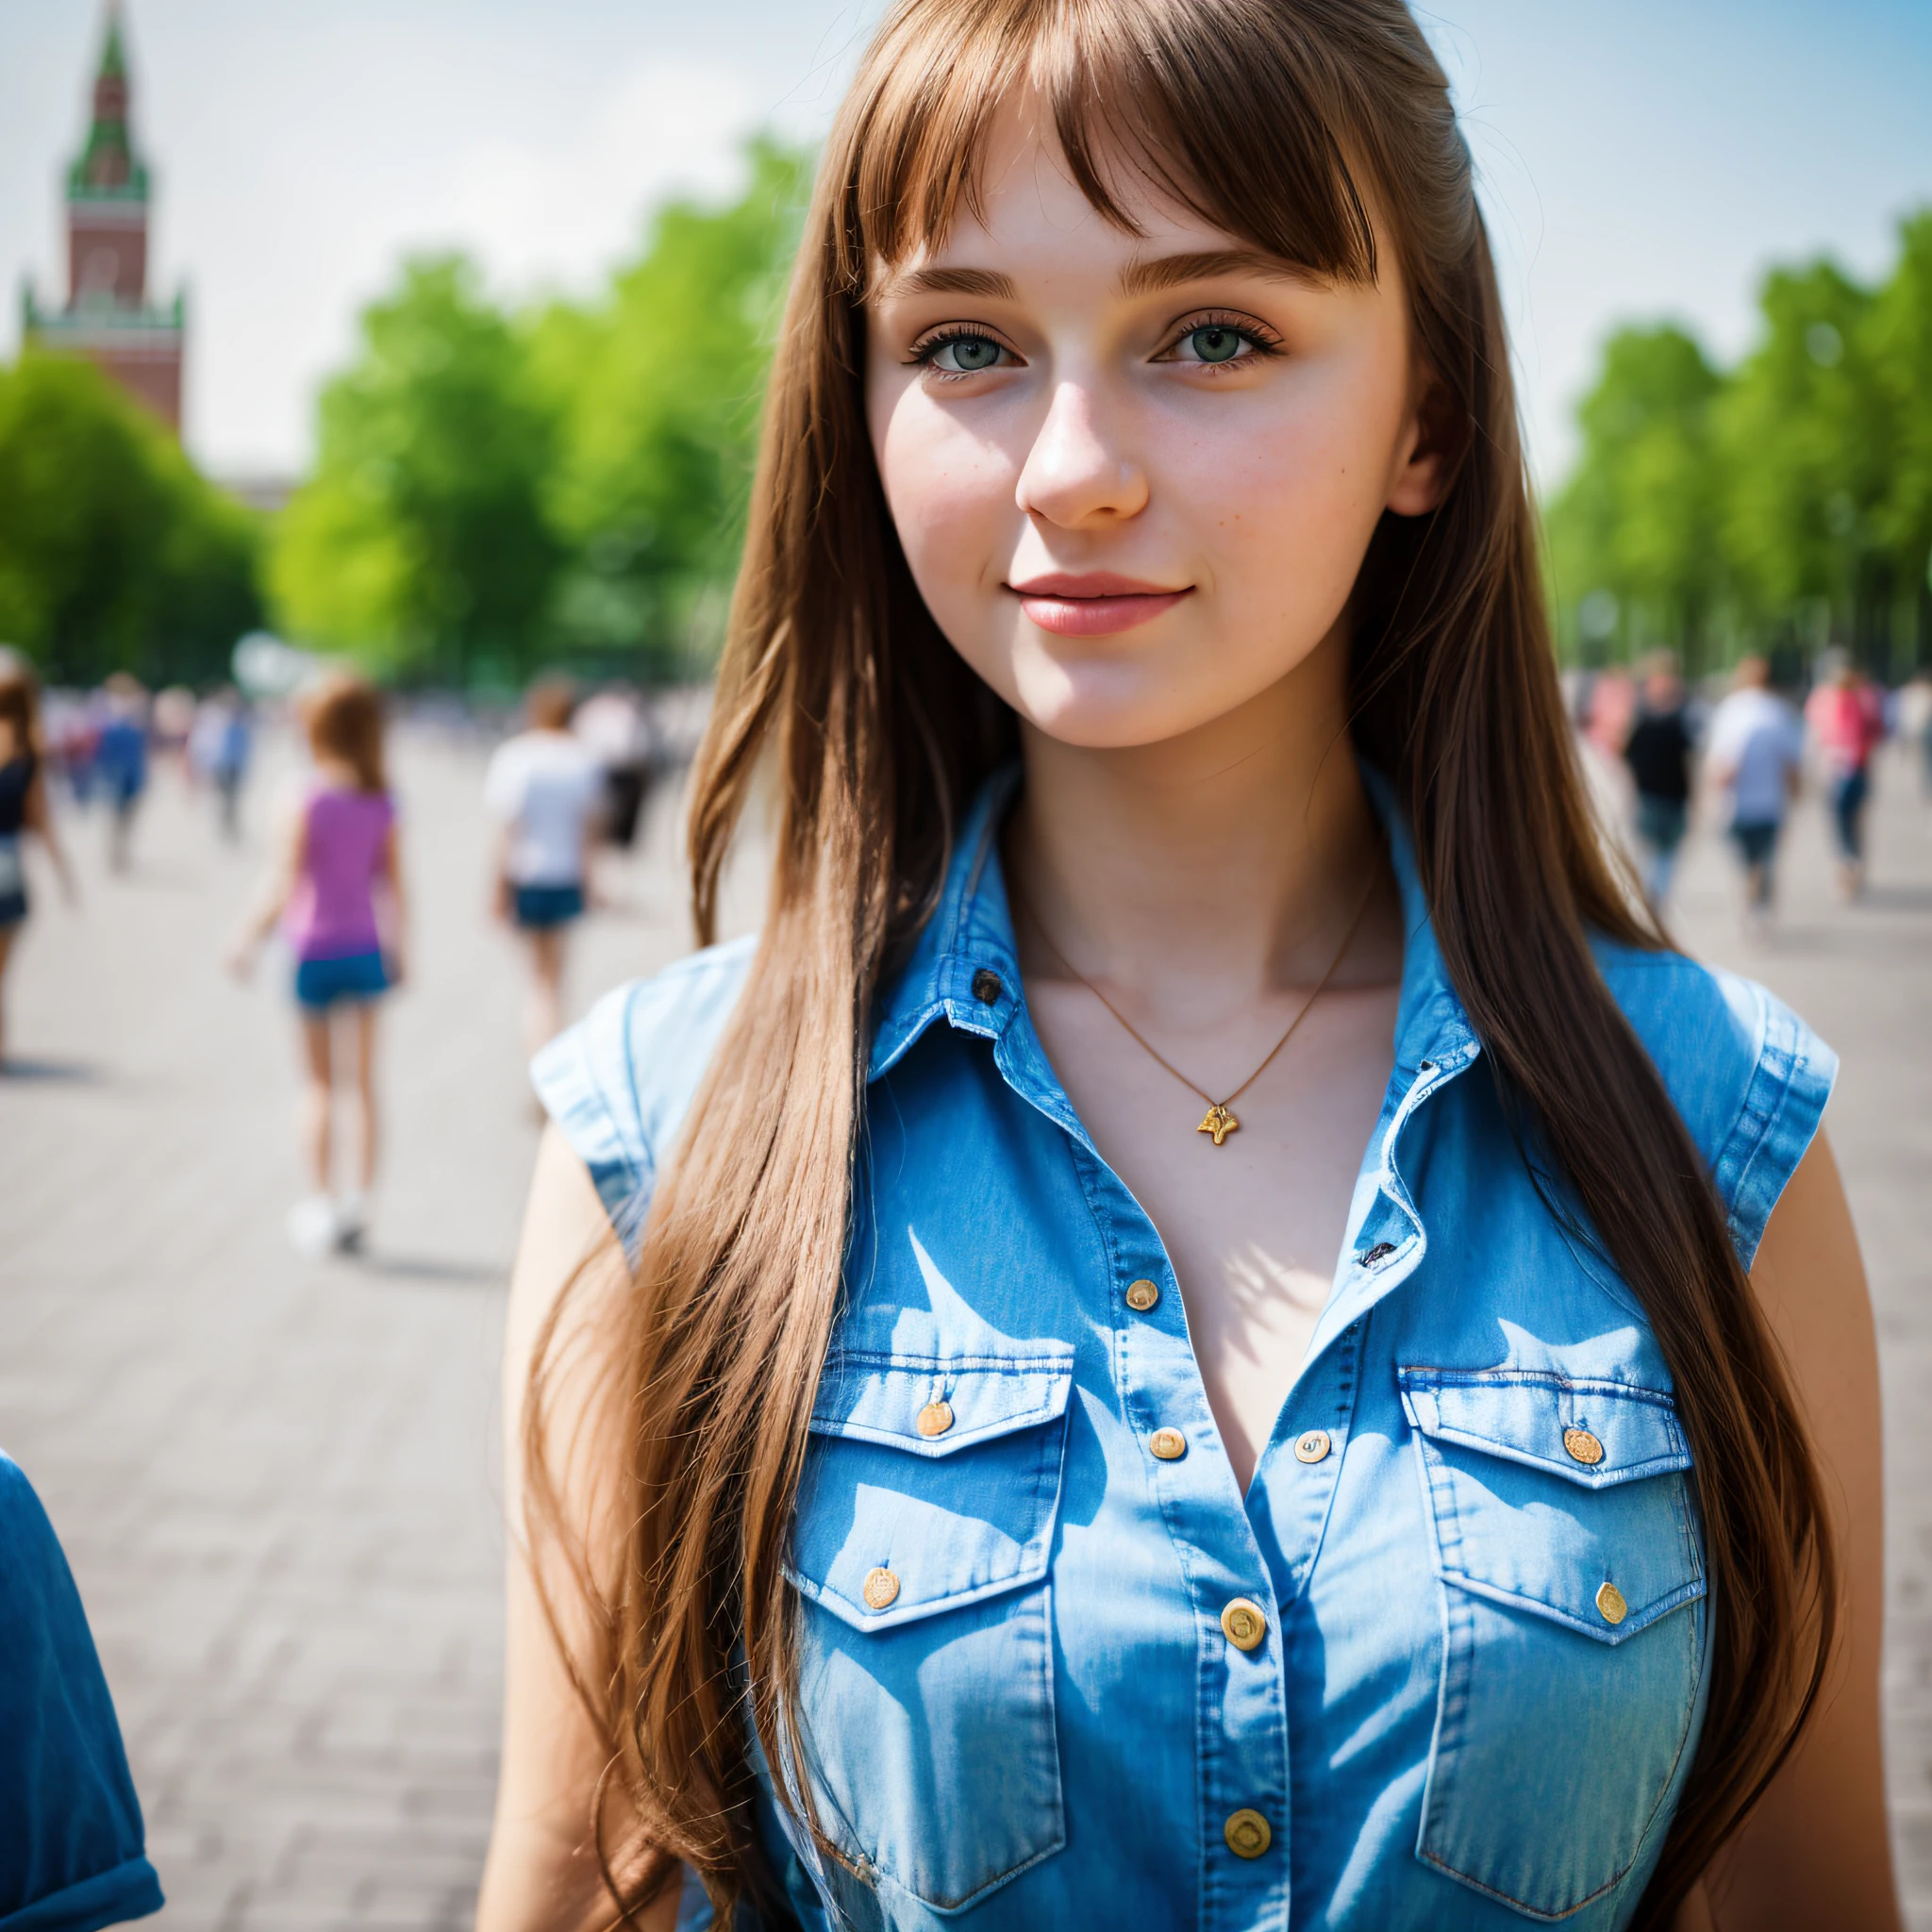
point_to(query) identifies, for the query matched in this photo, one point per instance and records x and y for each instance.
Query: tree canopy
(421, 542)
(492, 489)
(1779, 505)
(115, 552)
(657, 388)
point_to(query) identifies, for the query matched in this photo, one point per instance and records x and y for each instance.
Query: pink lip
(1092, 603)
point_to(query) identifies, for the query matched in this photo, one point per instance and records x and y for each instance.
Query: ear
(1425, 457)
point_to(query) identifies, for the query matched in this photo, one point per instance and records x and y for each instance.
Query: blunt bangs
(1227, 110)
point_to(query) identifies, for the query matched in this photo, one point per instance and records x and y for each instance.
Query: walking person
(1755, 756)
(219, 748)
(338, 894)
(120, 762)
(1208, 1328)
(545, 790)
(25, 812)
(1915, 726)
(615, 728)
(1847, 723)
(1658, 752)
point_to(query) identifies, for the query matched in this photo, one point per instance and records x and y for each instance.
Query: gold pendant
(1218, 1121)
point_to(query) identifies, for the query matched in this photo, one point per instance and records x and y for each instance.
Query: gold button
(1169, 1445)
(935, 1419)
(1141, 1295)
(1582, 1447)
(1247, 1834)
(1313, 1446)
(1243, 1624)
(1609, 1600)
(881, 1590)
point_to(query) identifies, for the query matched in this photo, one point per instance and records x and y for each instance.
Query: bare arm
(1816, 1851)
(398, 904)
(274, 896)
(38, 818)
(503, 894)
(542, 1876)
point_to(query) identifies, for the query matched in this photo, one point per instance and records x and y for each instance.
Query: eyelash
(1260, 342)
(927, 347)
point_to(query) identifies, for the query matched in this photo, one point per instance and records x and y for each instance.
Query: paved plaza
(277, 1481)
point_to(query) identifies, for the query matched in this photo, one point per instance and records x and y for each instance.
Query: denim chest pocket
(921, 1543)
(1571, 1572)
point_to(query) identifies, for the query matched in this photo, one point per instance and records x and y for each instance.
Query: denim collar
(965, 965)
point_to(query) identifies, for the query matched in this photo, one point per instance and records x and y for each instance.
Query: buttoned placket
(1261, 1547)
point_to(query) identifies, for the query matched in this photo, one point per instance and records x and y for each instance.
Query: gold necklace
(1219, 1121)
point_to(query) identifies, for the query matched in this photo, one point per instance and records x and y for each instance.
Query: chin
(1108, 706)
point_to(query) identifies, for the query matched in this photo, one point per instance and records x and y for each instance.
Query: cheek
(1286, 501)
(949, 494)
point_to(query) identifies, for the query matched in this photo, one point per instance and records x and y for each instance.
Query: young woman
(545, 790)
(1172, 1345)
(337, 892)
(23, 808)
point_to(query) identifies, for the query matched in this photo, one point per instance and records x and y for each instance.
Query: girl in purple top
(337, 895)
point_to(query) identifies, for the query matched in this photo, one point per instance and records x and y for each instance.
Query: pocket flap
(1594, 1433)
(898, 1519)
(882, 1398)
(1608, 1564)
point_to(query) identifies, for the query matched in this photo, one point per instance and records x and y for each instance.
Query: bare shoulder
(566, 1229)
(1817, 1849)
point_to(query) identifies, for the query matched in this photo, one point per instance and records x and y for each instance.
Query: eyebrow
(1148, 278)
(1145, 278)
(985, 282)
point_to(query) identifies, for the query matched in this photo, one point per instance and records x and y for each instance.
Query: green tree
(657, 388)
(114, 552)
(1899, 344)
(1804, 435)
(1633, 535)
(420, 545)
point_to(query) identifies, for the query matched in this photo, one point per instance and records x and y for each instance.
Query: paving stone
(277, 1480)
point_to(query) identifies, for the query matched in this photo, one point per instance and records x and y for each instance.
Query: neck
(1210, 868)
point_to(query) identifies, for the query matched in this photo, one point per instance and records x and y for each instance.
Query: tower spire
(107, 165)
(108, 318)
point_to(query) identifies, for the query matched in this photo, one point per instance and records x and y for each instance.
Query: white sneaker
(352, 1222)
(312, 1227)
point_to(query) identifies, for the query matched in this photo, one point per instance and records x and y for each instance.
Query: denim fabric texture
(1481, 1669)
(72, 1856)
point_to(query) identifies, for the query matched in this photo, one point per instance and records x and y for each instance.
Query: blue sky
(1640, 158)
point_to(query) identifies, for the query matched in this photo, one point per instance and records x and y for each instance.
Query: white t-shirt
(1759, 740)
(546, 787)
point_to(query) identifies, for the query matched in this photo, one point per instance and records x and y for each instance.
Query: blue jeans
(1848, 795)
(1660, 823)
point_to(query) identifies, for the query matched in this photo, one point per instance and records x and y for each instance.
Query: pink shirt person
(331, 913)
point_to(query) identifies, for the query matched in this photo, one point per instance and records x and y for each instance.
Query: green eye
(966, 355)
(1216, 343)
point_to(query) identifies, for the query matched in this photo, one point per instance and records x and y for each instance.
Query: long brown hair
(343, 717)
(1282, 121)
(20, 702)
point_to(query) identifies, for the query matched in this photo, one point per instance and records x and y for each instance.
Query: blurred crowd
(1655, 748)
(569, 773)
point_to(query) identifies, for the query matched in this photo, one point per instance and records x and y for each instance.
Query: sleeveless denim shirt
(1443, 1666)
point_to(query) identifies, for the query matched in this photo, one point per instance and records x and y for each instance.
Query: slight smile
(1095, 604)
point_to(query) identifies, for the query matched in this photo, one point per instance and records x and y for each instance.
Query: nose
(1076, 471)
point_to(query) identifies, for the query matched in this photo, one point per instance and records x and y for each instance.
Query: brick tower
(108, 317)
